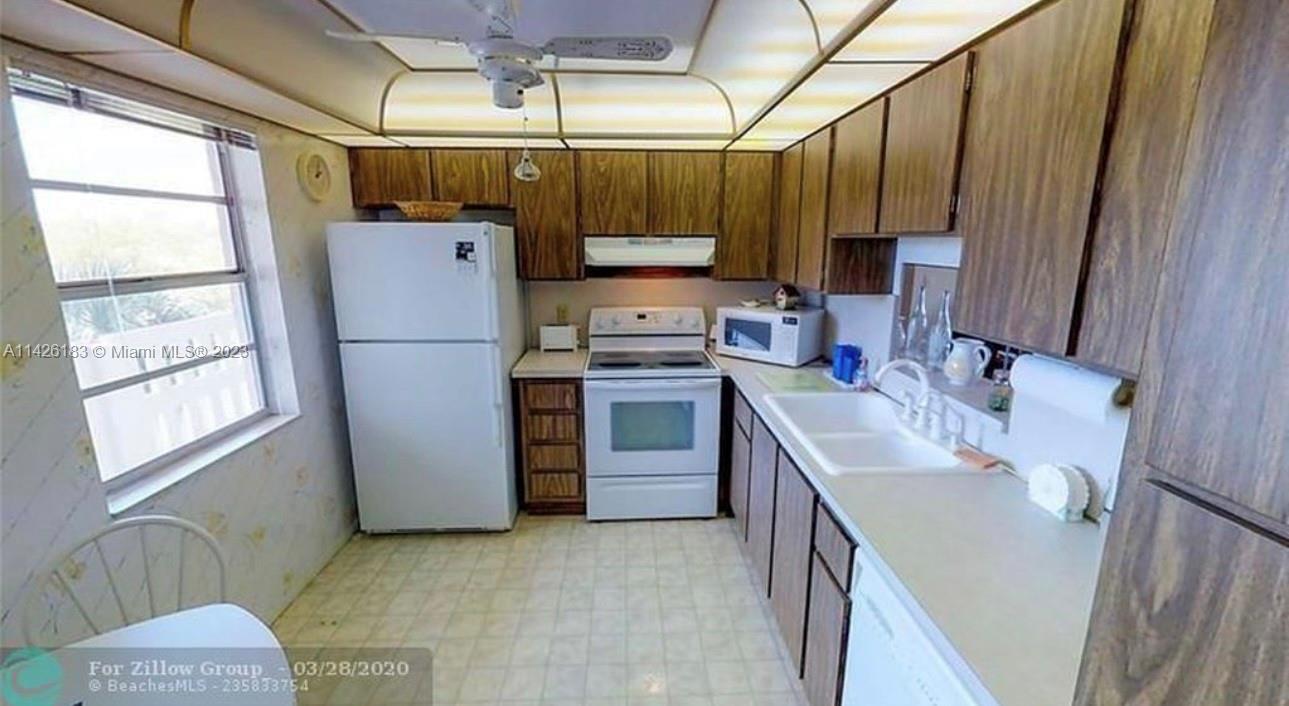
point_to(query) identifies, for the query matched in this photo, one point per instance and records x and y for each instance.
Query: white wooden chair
(53, 572)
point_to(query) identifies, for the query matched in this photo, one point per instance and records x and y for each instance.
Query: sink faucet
(924, 381)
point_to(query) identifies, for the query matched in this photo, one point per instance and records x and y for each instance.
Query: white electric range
(653, 408)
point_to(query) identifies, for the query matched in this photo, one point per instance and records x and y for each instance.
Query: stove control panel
(647, 321)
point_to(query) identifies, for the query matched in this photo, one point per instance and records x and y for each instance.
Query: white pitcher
(967, 360)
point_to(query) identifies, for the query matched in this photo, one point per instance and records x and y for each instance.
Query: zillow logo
(31, 677)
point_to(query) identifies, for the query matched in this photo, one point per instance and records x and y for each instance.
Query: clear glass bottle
(915, 339)
(1000, 395)
(937, 347)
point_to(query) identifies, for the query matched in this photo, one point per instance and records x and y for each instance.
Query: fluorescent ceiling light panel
(832, 16)
(746, 145)
(462, 102)
(829, 93)
(604, 144)
(753, 48)
(537, 143)
(605, 105)
(925, 30)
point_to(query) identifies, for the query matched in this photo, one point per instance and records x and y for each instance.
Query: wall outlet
(561, 314)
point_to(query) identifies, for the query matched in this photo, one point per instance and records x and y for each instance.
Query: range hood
(650, 252)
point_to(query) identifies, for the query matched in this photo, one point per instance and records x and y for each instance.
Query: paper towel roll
(1081, 392)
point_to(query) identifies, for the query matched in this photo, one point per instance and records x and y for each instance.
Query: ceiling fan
(510, 65)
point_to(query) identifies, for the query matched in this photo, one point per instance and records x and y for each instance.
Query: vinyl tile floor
(558, 611)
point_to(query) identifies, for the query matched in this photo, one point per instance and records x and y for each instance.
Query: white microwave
(770, 335)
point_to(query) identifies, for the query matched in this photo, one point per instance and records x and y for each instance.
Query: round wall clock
(314, 175)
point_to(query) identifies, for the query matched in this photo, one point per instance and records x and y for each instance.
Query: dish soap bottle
(941, 336)
(1000, 395)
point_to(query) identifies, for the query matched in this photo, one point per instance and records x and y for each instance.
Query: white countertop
(550, 364)
(992, 577)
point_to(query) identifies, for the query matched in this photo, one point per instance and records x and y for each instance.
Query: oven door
(652, 427)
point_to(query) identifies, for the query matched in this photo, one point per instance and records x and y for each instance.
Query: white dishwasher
(889, 659)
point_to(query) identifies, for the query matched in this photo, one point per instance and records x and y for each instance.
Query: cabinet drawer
(553, 427)
(743, 414)
(555, 486)
(554, 457)
(551, 396)
(834, 546)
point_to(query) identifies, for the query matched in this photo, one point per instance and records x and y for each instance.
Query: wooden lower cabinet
(827, 625)
(552, 453)
(740, 460)
(1196, 613)
(794, 519)
(760, 502)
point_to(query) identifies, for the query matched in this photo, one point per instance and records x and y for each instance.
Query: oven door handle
(653, 385)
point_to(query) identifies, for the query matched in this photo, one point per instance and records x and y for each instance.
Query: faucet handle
(909, 402)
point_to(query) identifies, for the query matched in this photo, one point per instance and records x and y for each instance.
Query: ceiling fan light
(526, 169)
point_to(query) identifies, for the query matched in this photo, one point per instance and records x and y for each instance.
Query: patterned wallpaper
(280, 507)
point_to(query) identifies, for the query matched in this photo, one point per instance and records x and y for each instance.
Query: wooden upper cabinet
(783, 247)
(747, 217)
(923, 145)
(612, 192)
(1033, 144)
(381, 176)
(812, 239)
(1161, 72)
(856, 184)
(684, 193)
(1223, 407)
(550, 244)
(474, 177)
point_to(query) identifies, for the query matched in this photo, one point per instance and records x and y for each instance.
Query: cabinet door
(794, 519)
(783, 253)
(813, 237)
(1223, 408)
(923, 144)
(1033, 143)
(380, 177)
(760, 501)
(856, 183)
(747, 216)
(1194, 614)
(1161, 74)
(684, 193)
(827, 623)
(611, 192)
(474, 177)
(550, 246)
(740, 460)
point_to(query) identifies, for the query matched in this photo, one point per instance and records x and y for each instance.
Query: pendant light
(526, 170)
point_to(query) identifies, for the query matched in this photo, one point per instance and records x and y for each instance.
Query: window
(144, 237)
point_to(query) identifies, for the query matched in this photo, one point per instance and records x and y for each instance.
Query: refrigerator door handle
(498, 404)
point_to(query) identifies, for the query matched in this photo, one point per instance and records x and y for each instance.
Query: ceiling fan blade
(626, 48)
(385, 37)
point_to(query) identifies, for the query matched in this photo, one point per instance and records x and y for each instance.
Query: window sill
(126, 497)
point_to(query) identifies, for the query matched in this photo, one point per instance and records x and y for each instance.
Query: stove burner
(619, 364)
(681, 363)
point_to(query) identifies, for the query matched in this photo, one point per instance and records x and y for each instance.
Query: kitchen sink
(860, 433)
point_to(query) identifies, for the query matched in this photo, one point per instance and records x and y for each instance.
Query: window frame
(223, 139)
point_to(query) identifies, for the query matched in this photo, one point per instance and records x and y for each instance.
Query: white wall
(280, 507)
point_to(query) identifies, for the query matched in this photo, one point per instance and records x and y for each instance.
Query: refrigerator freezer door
(430, 439)
(413, 281)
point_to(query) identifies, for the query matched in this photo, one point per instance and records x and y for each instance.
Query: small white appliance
(769, 335)
(889, 659)
(653, 408)
(430, 322)
(558, 338)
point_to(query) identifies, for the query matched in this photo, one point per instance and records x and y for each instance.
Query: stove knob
(616, 321)
(678, 319)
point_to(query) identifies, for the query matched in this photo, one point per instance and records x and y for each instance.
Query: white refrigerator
(430, 322)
